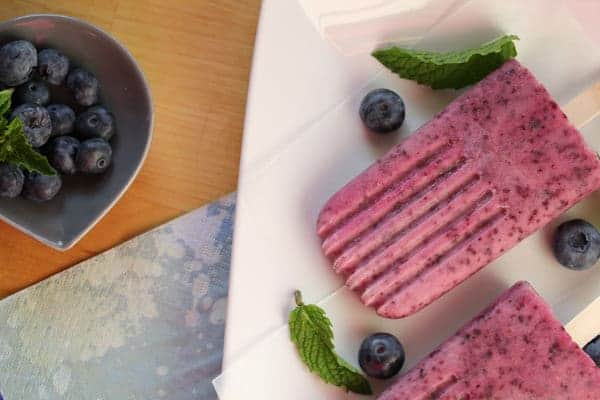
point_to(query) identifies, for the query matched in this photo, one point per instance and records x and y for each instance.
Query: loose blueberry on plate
(37, 124)
(94, 156)
(62, 152)
(577, 244)
(84, 87)
(381, 355)
(593, 350)
(11, 180)
(63, 119)
(33, 92)
(95, 122)
(17, 62)
(382, 111)
(41, 187)
(53, 66)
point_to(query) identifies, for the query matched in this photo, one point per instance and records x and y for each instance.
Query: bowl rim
(64, 246)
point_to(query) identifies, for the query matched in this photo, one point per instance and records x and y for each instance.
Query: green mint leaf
(310, 331)
(5, 101)
(455, 69)
(15, 149)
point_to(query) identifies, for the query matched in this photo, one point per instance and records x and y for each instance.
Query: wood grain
(196, 55)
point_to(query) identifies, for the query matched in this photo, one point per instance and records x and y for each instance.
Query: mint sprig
(455, 69)
(14, 146)
(311, 332)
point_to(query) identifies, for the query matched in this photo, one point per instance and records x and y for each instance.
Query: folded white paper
(355, 26)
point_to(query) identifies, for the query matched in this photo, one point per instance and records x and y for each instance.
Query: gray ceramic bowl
(83, 201)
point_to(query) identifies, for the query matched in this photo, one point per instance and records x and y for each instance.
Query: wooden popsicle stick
(585, 326)
(585, 107)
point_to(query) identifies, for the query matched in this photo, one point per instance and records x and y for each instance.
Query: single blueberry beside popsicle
(382, 111)
(577, 244)
(593, 349)
(381, 355)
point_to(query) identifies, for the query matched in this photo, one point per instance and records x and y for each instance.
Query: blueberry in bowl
(18, 59)
(33, 92)
(93, 156)
(63, 119)
(84, 87)
(36, 123)
(96, 122)
(40, 188)
(11, 180)
(94, 70)
(61, 153)
(53, 66)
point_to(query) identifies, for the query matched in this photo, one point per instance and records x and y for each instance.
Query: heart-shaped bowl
(84, 200)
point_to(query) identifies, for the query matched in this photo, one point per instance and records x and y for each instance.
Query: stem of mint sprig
(14, 146)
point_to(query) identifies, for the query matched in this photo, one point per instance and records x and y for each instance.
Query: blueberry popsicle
(516, 349)
(497, 164)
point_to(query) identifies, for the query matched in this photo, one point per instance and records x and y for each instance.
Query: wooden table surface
(196, 55)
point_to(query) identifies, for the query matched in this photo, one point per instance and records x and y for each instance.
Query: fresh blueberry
(382, 111)
(41, 187)
(17, 62)
(36, 123)
(11, 180)
(63, 119)
(61, 152)
(593, 350)
(33, 92)
(94, 156)
(381, 355)
(577, 244)
(95, 122)
(84, 87)
(53, 66)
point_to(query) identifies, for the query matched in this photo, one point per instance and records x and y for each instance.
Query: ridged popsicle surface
(516, 349)
(497, 164)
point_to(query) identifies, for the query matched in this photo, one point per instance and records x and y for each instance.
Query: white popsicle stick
(585, 107)
(585, 326)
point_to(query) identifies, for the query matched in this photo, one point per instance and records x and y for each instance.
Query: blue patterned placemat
(144, 320)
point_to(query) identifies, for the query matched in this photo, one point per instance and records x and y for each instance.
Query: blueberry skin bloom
(11, 180)
(62, 153)
(33, 92)
(577, 244)
(94, 156)
(63, 119)
(382, 111)
(53, 66)
(41, 187)
(37, 124)
(17, 61)
(84, 87)
(95, 122)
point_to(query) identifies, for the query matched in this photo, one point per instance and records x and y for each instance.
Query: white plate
(301, 144)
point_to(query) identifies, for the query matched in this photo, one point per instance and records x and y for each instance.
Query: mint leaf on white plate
(311, 332)
(455, 69)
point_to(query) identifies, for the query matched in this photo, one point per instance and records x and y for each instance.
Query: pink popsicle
(515, 350)
(496, 165)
